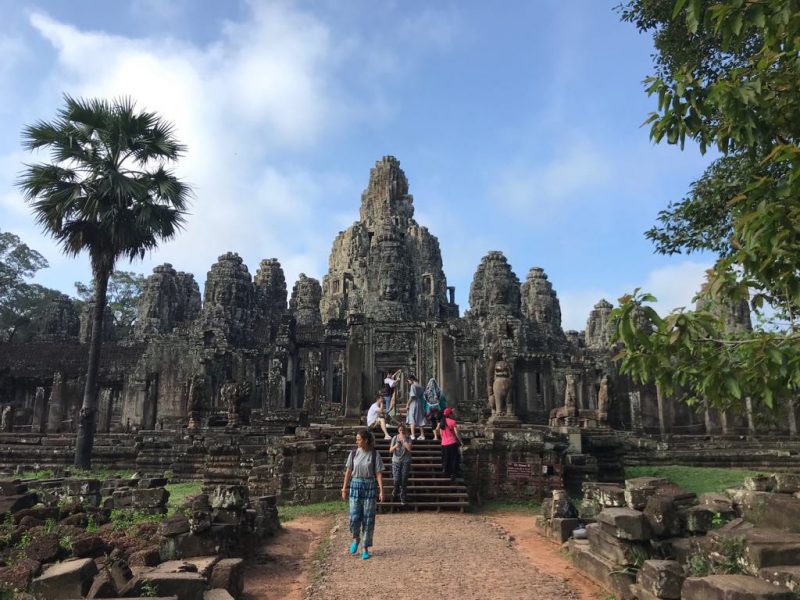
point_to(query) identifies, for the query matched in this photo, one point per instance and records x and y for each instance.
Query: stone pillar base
(504, 421)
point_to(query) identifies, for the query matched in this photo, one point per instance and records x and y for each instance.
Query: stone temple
(320, 355)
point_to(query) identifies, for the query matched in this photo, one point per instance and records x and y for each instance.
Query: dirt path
(499, 556)
(430, 555)
(546, 555)
(284, 565)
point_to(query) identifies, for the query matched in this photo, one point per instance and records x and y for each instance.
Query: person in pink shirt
(451, 440)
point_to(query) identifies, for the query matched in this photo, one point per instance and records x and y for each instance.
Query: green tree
(107, 190)
(727, 75)
(124, 289)
(20, 300)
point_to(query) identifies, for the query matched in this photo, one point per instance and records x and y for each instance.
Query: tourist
(415, 413)
(364, 474)
(451, 441)
(435, 403)
(400, 448)
(390, 393)
(376, 417)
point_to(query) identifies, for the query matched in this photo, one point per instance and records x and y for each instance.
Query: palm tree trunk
(86, 425)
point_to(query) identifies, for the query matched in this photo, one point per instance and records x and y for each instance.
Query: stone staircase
(428, 487)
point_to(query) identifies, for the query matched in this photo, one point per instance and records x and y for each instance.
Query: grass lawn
(287, 513)
(694, 479)
(179, 492)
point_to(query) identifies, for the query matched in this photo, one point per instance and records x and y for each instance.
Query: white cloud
(577, 168)
(268, 86)
(673, 285)
(676, 285)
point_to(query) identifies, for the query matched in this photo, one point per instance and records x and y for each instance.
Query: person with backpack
(400, 448)
(363, 486)
(451, 441)
(435, 403)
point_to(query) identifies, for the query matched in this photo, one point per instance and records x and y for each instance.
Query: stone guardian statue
(501, 388)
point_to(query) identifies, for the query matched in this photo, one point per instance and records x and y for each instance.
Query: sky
(518, 125)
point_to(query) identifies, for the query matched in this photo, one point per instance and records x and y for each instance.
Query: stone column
(447, 376)
(635, 399)
(751, 424)
(792, 410)
(354, 391)
(56, 413)
(663, 424)
(723, 418)
(39, 418)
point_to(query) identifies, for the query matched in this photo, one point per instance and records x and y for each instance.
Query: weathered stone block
(43, 548)
(152, 482)
(83, 487)
(619, 552)
(561, 529)
(785, 483)
(19, 575)
(731, 587)
(184, 586)
(69, 579)
(698, 519)
(625, 523)
(778, 511)
(229, 496)
(12, 487)
(217, 594)
(149, 557)
(228, 574)
(639, 489)
(758, 483)
(662, 578)
(607, 573)
(16, 503)
(89, 546)
(783, 576)
(203, 564)
(662, 516)
(174, 525)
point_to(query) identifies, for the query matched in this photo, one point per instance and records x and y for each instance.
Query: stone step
(416, 506)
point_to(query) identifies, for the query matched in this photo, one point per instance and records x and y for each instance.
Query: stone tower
(598, 334)
(385, 266)
(228, 299)
(539, 300)
(304, 305)
(168, 298)
(495, 288)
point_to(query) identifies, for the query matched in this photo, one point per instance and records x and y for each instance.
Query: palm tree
(107, 191)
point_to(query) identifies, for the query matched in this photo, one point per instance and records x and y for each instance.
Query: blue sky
(518, 126)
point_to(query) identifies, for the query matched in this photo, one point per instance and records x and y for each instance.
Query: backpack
(374, 460)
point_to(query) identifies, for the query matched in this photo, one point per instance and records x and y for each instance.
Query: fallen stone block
(699, 519)
(662, 578)
(19, 575)
(776, 511)
(12, 487)
(615, 550)
(625, 523)
(217, 594)
(102, 587)
(68, 579)
(785, 483)
(148, 557)
(16, 503)
(732, 587)
(758, 483)
(228, 574)
(561, 529)
(229, 496)
(639, 489)
(184, 586)
(783, 576)
(152, 482)
(596, 567)
(89, 546)
(174, 525)
(203, 564)
(662, 516)
(43, 548)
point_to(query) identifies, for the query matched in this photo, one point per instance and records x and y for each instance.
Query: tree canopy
(107, 190)
(727, 76)
(124, 289)
(20, 300)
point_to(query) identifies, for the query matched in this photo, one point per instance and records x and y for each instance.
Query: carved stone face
(390, 289)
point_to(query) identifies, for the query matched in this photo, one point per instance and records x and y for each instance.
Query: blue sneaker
(353, 547)
(365, 555)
